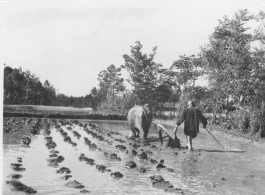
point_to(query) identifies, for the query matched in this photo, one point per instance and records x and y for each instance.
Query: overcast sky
(70, 42)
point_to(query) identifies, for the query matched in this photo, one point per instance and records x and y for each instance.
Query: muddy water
(239, 169)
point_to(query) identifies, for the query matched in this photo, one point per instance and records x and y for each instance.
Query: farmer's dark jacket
(191, 117)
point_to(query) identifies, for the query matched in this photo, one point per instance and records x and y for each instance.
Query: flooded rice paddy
(239, 169)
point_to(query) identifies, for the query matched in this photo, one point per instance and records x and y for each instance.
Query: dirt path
(237, 169)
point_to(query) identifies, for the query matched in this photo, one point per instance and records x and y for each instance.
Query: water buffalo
(139, 120)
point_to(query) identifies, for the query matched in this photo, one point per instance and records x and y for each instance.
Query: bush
(254, 121)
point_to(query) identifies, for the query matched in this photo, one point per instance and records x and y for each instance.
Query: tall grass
(32, 108)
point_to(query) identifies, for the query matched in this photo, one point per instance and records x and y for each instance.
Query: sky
(70, 42)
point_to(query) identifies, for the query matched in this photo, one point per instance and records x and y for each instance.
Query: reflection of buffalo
(139, 119)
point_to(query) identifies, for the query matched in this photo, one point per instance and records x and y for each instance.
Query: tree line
(24, 88)
(233, 62)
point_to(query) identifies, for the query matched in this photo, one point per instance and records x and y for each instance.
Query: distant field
(37, 108)
(59, 112)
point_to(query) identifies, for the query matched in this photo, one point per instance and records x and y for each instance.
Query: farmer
(191, 117)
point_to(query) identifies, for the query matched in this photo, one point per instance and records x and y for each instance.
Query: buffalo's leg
(137, 132)
(145, 135)
(134, 132)
(131, 134)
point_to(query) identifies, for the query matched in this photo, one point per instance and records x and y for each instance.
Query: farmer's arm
(203, 120)
(181, 119)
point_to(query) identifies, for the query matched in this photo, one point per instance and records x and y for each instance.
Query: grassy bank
(42, 109)
(58, 112)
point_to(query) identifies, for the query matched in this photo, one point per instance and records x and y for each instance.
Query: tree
(61, 100)
(95, 99)
(235, 68)
(49, 93)
(143, 72)
(163, 93)
(111, 84)
(187, 69)
(8, 85)
(128, 100)
(33, 89)
(22, 87)
(257, 80)
(258, 86)
(94, 92)
(228, 57)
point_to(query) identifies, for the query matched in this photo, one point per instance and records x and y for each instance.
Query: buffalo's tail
(145, 121)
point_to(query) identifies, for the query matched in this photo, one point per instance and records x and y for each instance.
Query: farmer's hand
(204, 127)
(175, 130)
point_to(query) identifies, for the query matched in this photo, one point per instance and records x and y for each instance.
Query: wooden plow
(172, 142)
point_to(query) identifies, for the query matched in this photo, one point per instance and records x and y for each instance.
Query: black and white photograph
(119, 97)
